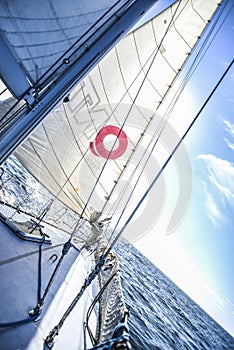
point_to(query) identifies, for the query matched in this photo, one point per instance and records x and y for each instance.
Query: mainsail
(92, 148)
(108, 121)
(39, 33)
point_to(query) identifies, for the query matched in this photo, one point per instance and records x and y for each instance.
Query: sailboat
(84, 121)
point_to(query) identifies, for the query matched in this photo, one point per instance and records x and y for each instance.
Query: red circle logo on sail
(98, 148)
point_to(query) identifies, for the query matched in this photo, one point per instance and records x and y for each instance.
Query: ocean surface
(162, 316)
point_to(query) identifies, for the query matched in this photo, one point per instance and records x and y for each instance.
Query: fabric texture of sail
(39, 32)
(99, 138)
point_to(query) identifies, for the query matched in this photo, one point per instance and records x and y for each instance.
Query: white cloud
(218, 187)
(229, 144)
(229, 127)
(213, 211)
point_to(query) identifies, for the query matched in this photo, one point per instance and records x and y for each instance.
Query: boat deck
(19, 290)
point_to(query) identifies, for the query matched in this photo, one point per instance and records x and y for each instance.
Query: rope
(33, 315)
(49, 341)
(124, 122)
(41, 301)
(96, 299)
(18, 323)
(78, 146)
(167, 161)
(50, 338)
(178, 93)
(39, 265)
(196, 60)
(111, 344)
(120, 337)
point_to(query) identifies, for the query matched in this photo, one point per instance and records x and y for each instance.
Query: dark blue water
(162, 316)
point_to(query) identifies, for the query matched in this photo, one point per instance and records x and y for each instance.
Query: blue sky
(199, 255)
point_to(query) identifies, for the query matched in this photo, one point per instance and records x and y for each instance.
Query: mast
(39, 105)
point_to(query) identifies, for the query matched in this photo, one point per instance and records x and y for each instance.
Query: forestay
(101, 133)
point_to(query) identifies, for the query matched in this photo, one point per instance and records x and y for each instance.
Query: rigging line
(108, 100)
(82, 158)
(76, 42)
(177, 31)
(163, 56)
(90, 115)
(197, 12)
(139, 60)
(158, 46)
(124, 80)
(19, 257)
(18, 323)
(125, 119)
(60, 164)
(61, 188)
(32, 215)
(160, 128)
(137, 180)
(194, 65)
(82, 153)
(189, 73)
(94, 126)
(14, 115)
(96, 299)
(168, 160)
(120, 196)
(4, 90)
(138, 74)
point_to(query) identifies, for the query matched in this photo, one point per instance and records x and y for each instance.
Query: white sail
(100, 137)
(39, 32)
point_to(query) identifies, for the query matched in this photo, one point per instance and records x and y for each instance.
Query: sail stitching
(123, 123)
(61, 188)
(125, 84)
(47, 75)
(60, 164)
(99, 265)
(121, 194)
(110, 105)
(160, 128)
(14, 23)
(197, 59)
(142, 67)
(79, 148)
(158, 46)
(177, 31)
(95, 128)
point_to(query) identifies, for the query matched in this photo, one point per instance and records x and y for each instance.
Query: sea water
(162, 317)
